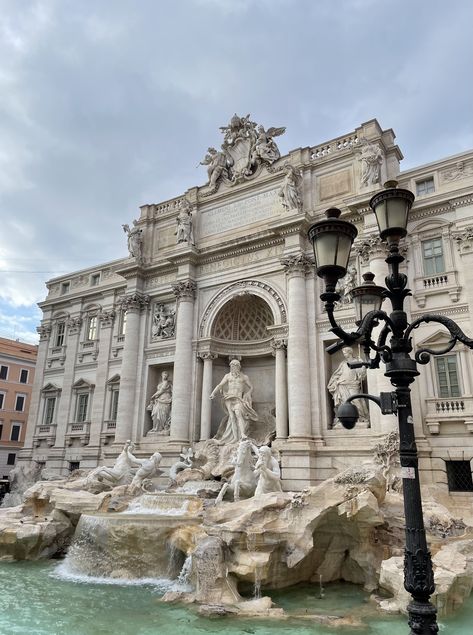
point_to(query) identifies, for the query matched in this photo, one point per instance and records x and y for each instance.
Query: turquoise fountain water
(37, 600)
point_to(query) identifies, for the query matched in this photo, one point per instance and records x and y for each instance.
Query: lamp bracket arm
(422, 356)
(387, 401)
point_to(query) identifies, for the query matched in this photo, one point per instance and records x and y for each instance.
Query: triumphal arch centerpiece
(211, 328)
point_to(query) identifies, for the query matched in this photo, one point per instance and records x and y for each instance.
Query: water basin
(36, 600)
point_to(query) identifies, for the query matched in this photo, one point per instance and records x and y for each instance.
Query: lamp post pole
(332, 239)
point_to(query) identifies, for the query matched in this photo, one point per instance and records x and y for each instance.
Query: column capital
(74, 324)
(278, 345)
(184, 290)
(297, 263)
(44, 331)
(370, 246)
(133, 301)
(106, 318)
(207, 355)
(464, 240)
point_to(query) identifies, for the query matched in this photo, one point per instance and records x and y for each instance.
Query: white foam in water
(138, 506)
(64, 572)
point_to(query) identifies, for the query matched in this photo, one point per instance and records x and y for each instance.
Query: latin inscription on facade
(244, 212)
(242, 259)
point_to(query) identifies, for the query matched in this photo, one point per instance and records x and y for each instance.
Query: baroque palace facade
(226, 272)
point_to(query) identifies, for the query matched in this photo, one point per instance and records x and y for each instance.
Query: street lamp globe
(391, 208)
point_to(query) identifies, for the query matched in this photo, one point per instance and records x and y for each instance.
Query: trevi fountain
(202, 503)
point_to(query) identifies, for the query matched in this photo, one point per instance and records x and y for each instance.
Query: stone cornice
(461, 309)
(222, 251)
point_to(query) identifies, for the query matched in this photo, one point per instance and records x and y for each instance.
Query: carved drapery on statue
(185, 226)
(345, 382)
(245, 147)
(240, 420)
(134, 241)
(160, 406)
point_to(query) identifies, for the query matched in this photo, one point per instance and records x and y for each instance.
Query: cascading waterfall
(131, 546)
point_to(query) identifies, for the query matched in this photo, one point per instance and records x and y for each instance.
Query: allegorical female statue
(160, 406)
(346, 381)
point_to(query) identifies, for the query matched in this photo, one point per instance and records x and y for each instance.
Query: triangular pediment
(113, 380)
(438, 339)
(50, 387)
(83, 383)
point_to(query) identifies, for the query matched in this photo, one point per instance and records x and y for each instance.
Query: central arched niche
(242, 323)
(244, 318)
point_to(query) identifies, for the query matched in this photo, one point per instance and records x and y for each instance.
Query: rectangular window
(60, 333)
(426, 186)
(11, 458)
(82, 405)
(447, 376)
(1, 430)
(94, 279)
(23, 376)
(459, 476)
(3, 372)
(2, 400)
(114, 405)
(65, 286)
(432, 252)
(49, 408)
(74, 465)
(15, 432)
(92, 328)
(20, 403)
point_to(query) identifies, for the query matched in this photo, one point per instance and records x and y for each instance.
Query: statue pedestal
(299, 462)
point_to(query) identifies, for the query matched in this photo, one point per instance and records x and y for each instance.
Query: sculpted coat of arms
(245, 147)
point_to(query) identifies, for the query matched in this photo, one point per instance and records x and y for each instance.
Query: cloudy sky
(109, 104)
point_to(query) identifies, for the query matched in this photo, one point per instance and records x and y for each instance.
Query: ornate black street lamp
(332, 239)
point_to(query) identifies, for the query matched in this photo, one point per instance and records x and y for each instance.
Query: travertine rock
(453, 572)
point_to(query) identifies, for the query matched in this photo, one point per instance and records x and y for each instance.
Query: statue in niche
(371, 160)
(185, 227)
(217, 165)
(135, 240)
(164, 323)
(345, 382)
(345, 285)
(160, 406)
(289, 191)
(268, 472)
(265, 148)
(236, 390)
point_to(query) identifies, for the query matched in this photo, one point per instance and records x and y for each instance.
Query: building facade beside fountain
(144, 348)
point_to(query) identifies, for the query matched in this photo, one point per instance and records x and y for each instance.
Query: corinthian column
(182, 377)
(206, 406)
(297, 266)
(106, 319)
(44, 332)
(65, 413)
(133, 304)
(279, 351)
